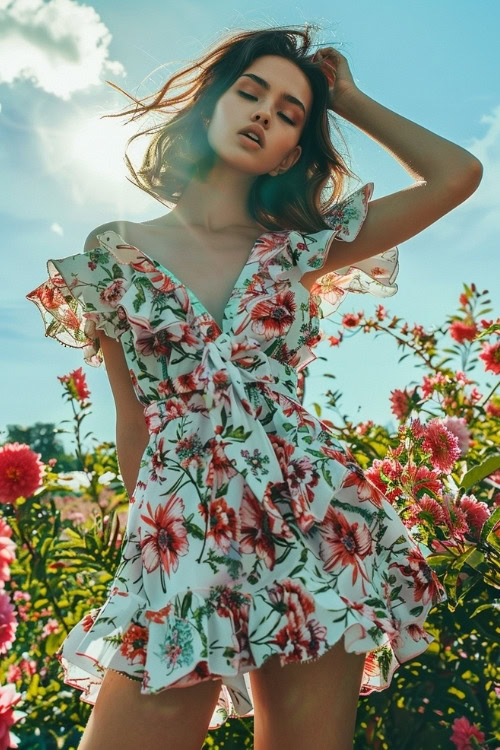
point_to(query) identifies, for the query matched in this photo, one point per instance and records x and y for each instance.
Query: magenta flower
(442, 445)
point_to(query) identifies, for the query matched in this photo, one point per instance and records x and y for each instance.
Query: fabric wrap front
(225, 373)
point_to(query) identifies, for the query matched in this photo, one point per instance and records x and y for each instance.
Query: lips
(255, 130)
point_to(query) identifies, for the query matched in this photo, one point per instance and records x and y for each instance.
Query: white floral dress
(251, 530)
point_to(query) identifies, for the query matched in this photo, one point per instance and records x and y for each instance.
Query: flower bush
(59, 546)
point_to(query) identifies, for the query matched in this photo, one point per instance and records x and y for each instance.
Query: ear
(288, 162)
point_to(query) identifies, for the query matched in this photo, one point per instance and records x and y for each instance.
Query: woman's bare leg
(175, 719)
(315, 702)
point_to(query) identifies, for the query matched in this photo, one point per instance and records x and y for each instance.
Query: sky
(63, 171)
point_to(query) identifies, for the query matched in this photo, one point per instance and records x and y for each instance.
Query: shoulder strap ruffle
(80, 297)
(375, 275)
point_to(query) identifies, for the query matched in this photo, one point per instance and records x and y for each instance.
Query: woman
(260, 571)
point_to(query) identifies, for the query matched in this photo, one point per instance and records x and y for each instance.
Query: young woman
(262, 573)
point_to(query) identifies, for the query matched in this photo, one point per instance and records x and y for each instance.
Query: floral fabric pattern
(251, 530)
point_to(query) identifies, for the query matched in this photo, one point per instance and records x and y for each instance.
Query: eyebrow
(266, 85)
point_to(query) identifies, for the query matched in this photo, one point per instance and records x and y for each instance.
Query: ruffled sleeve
(81, 297)
(375, 275)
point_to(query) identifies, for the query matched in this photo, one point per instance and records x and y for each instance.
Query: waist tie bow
(226, 367)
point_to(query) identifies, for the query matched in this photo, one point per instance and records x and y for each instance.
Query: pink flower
(8, 699)
(13, 674)
(426, 509)
(455, 518)
(392, 469)
(7, 550)
(442, 445)
(8, 623)
(401, 403)
(417, 428)
(462, 331)
(458, 427)
(430, 384)
(463, 730)
(21, 471)
(461, 377)
(490, 354)
(476, 512)
(51, 626)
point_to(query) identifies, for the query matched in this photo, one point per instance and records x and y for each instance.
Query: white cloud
(60, 46)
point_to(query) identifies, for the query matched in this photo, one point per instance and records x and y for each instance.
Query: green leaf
(490, 524)
(477, 473)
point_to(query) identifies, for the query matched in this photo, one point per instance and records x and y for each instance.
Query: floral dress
(251, 530)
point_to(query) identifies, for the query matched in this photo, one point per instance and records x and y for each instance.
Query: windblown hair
(179, 149)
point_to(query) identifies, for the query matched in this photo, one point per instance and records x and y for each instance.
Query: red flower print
(273, 317)
(134, 643)
(89, 619)
(220, 468)
(223, 523)
(302, 634)
(301, 477)
(345, 544)
(364, 488)
(426, 585)
(158, 616)
(283, 450)
(259, 524)
(50, 297)
(169, 540)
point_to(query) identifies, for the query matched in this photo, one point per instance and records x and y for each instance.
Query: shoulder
(119, 226)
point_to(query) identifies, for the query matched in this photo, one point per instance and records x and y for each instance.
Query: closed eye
(249, 96)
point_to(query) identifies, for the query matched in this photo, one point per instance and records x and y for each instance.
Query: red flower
(490, 354)
(401, 403)
(77, 384)
(351, 320)
(134, 644)
(273, 317)
(462, 331)
(21, 471)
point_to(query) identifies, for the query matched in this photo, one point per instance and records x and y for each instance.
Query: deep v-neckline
(192, 296)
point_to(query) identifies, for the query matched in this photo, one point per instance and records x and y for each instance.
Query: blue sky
(64, 171)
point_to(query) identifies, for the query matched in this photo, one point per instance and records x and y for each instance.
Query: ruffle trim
(375, 275)
(163, 649)
(77, 301)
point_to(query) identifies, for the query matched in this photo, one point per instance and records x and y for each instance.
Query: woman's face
(262, 101)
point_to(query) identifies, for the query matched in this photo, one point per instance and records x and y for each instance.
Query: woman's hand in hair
(336, 68)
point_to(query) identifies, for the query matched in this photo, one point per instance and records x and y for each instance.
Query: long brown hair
(179, 149)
